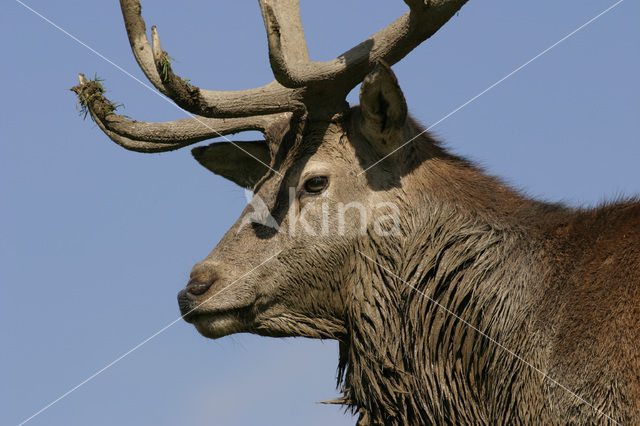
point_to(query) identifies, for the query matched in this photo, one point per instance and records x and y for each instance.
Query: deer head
(286, 267)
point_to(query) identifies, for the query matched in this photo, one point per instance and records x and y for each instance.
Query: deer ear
(384, 110)
(241, 162)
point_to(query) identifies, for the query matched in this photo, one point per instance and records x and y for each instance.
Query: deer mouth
(220, 323)
(214, 321)
(197, 315)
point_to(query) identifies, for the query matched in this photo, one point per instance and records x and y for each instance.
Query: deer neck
(420, 328)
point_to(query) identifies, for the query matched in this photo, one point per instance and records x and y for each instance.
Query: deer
(460, 300)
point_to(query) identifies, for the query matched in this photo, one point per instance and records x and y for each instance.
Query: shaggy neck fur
(429, 336)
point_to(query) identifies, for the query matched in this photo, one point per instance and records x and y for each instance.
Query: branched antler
(390, 44)
(165, 136)
(269, 98)
(319, 88)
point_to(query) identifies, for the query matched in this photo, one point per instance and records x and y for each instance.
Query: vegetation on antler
(91, 98)
(165, 66)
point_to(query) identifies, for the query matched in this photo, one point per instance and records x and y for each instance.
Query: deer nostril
(197, 288)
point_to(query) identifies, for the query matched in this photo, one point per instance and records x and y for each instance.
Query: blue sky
(95, 241)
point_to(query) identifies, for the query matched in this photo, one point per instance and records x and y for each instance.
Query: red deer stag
(454, 299)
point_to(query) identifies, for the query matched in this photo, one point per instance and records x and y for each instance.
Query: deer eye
(316, 185)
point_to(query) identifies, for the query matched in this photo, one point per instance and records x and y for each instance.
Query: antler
(158, 137)
(301, 84)
(156, 66)
(390, 44)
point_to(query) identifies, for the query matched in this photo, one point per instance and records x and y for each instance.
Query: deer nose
(203, 275)
(197, 288)
(188, 296)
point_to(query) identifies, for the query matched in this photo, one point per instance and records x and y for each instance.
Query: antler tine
(136, 32)
(285, 36)
(155, 64)
(165, 136)
(390, 44)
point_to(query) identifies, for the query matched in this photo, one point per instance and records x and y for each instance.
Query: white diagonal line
(495, 84)
(152, 89)
(115, 361)
(492, 340)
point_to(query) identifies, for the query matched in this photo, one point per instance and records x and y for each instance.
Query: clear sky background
(96, 241)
